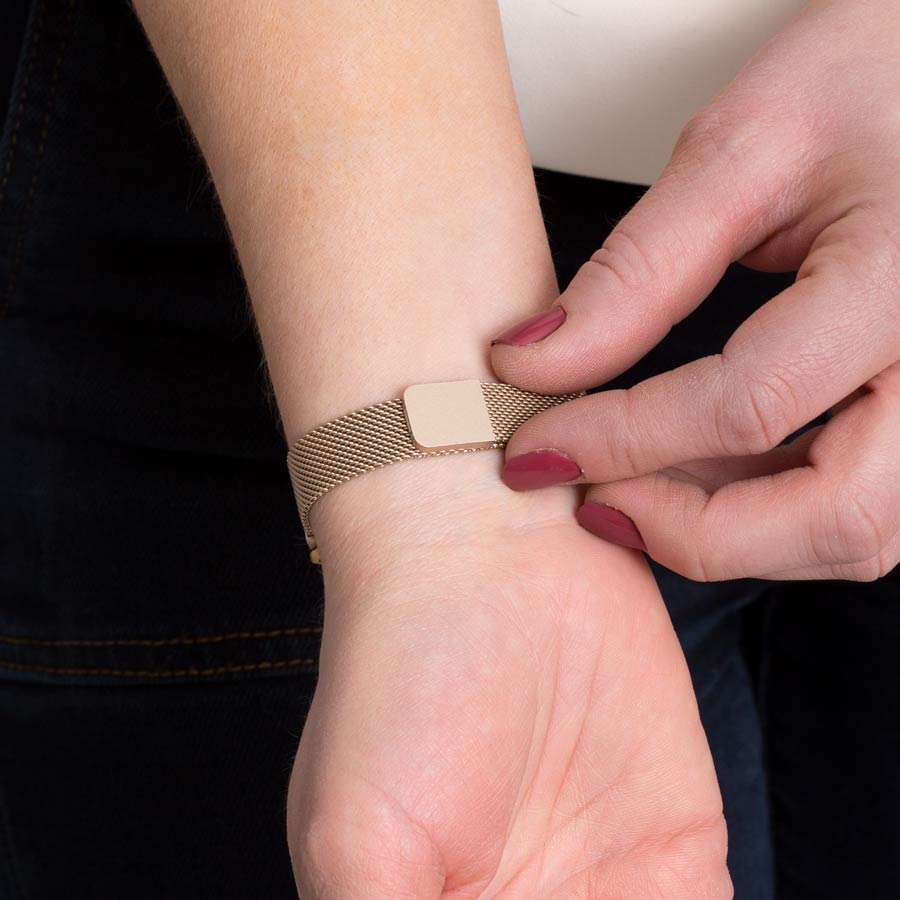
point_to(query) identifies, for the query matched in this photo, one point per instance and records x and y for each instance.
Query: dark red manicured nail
(534, 329)
(539, 468)
(609, 524)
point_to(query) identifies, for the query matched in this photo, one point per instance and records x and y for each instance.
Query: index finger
(799, 354)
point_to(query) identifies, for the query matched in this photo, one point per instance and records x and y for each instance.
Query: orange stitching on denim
(23, 97)
(156, 642)
(162, 673)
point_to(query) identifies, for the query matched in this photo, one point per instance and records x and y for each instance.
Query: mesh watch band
(384, 433)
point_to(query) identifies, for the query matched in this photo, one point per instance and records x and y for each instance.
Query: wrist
(383, 503)
(456, 418)
(457, 501)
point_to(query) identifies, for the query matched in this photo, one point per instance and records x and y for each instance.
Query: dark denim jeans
(159, 621)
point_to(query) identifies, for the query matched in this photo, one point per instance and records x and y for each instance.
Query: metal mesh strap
(509, 407)
(379, 435)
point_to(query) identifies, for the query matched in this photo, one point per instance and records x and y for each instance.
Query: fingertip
(539, 468)
(533, 329)
(610, 524)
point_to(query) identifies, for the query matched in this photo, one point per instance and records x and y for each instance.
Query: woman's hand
(794, 165)
(503, 708)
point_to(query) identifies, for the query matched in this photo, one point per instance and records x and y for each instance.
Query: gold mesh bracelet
(431, 419)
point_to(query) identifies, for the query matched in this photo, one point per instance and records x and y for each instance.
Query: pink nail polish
(609, 524)
(534, 329)
(539, 468)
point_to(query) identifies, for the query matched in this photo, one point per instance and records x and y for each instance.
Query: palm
(516, 727)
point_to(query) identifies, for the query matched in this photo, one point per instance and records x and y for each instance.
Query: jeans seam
(163, 673)
(157, 642)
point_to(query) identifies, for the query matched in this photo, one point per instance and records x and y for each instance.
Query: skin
(795, 165)
(503, 709)
(488, 727)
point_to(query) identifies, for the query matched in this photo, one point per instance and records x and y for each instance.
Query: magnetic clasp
(314, 556)
(448, 415)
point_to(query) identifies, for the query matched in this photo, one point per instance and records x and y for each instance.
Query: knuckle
(684, 557)
(699, 556)
(860, 536)
(874, 254)
(744, 122)
(622, 451)
(736, 142)
(694, 567)
(854, 534)
(617, 456)
(755, 416)
(623, 258)
(864, 572)
(870, 570)
(860, 250)
(715, 137)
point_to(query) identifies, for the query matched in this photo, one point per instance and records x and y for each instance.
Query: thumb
(707, 209)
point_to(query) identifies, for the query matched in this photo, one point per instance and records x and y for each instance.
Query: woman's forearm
(373, 171)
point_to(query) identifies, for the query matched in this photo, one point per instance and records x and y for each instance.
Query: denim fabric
(159, 619)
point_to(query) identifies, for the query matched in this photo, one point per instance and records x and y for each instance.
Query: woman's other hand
(794, 165)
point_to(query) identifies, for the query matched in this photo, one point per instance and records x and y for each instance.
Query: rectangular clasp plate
(448, 415)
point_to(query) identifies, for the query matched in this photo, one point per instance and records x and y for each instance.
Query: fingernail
(534, 329)
(539, 468)
(609, 524)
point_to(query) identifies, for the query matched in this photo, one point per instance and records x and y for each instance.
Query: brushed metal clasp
(448, 415)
